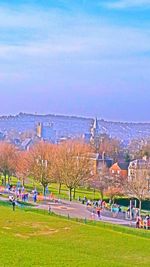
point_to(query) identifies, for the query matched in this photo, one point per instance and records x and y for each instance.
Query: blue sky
(83, 57)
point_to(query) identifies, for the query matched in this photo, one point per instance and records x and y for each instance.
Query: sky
(76, 57)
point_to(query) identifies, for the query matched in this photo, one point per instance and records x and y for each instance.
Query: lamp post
(148, 182)
(148, 185)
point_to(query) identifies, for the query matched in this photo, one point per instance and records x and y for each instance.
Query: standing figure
(35, 198)
(13, 204)
(98, 210)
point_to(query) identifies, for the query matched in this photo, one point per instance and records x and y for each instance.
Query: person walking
(13, 204)
(49, 209)
(138, 221)
(35, 198)
(98, 210)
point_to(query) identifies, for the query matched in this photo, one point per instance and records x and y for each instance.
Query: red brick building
(120, 169)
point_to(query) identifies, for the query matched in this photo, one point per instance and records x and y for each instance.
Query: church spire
(95, 133)
(95, 124)
(95, 129)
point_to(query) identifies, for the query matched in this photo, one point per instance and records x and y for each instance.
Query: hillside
(75, 126)
(30, 238)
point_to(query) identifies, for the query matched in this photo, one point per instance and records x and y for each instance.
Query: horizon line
(73, 116)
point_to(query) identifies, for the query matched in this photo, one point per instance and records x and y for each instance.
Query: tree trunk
(94, 194)
(70, 194)
(102, 194)
(44, 190)
(59, 188)
(5, 177)
(23, 182)
(140, 204)
(74, 193)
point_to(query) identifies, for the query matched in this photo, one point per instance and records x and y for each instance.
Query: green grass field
(32, 238)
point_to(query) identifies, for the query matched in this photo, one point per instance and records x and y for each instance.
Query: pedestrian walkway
(78, 210)
(74, 210)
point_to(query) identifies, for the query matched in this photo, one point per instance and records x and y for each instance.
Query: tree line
(68, 163)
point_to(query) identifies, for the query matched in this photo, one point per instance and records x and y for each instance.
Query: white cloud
(66, 42)
(95, 42)
(59, 35)
(123, 4)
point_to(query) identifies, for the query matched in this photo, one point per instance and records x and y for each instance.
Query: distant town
(24, 129)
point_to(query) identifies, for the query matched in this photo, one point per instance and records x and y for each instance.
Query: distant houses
(26, 144)
(125, 170)
(96, 135)
(139, 167)
(98, 161)
(119, 168)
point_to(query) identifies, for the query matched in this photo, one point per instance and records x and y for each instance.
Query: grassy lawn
(30, 238)
(80, 192)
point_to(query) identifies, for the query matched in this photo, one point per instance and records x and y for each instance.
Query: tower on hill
(46, 132)
(39, 130)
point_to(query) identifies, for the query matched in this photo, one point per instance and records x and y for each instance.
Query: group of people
(97, 206)
(143, 222)
(115, 209)
(96, 203)
(20, 194)
(132, 213)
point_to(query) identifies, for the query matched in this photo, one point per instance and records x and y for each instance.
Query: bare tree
(138, 188)
(100, 180)
(41, 163)
(57, 170)
(143, 150)
(110, 146)
(22, 166)
(74, 164)
(114, 191)
(8, 157)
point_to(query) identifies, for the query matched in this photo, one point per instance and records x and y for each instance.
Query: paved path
(75, 210)
(78, 210)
